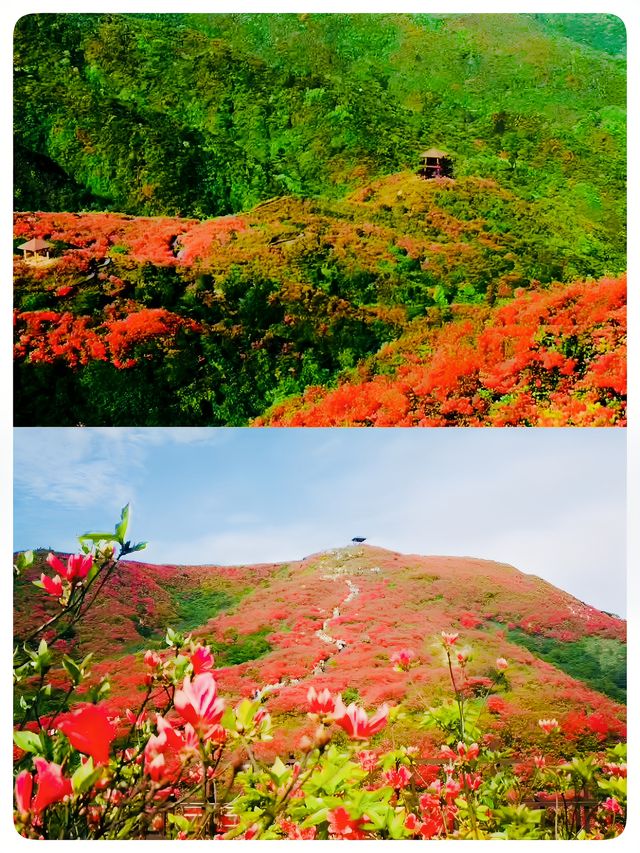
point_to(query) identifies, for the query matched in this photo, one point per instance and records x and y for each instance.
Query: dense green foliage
(599, 662)
(208, 114)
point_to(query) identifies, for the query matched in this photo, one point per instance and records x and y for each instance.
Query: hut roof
(35, 245)
(434, 152)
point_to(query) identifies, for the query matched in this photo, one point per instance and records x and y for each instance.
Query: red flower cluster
(506, 369)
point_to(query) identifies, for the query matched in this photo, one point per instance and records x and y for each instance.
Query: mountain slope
(201, 115)
(334, 619)
(177, 321)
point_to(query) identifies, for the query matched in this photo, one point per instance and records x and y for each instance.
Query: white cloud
(83, 467)
(256, 544)
(67, 467)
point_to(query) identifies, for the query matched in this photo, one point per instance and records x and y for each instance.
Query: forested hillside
(248, 222)
(203, 115)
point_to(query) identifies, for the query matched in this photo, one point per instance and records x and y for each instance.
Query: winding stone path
(322, 634)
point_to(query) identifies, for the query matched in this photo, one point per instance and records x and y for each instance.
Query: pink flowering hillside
(355, 694)
(366, 623)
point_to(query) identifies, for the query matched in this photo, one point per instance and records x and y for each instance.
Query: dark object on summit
(359, 539)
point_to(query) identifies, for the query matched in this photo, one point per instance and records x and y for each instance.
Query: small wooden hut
(37, 246)
(435, 164)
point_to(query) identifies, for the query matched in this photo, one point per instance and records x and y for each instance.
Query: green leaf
(121, 527)
(73, 670)
(85, 776)
(228, 720)
(278, 771)
(180, 821)
(93, 571)
(28, 741)
(23, 561)
(97, 537)
(127, 827)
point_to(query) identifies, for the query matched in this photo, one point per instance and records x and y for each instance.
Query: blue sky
(551, 502)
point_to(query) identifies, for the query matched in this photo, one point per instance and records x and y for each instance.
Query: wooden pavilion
(37, 246)
(435, 164)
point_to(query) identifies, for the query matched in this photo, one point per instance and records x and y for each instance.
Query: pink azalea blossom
(402, 658)
(468, 753)
(449, 638)
(502, 664)
(549, 726)
(198, 703)
(612, 805)
(165, 753)
(52, 585)
(202, 660)
(152, 659)
(53, 786)
(399, 778)
(133, 719)
(322, 702)
(24, 789)
(356, 723)
(368, 760)
(449, 790)
(472, 781)
(78, 565)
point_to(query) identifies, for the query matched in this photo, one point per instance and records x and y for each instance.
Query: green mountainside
(202, 115)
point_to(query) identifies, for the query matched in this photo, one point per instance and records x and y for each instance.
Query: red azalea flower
(342, 825)
(52, 785)
(502, 664)
(356, 723)
(292, 830)
(165, 752)
(468, 753)
(151, 659)
(131, 717)
(78, 565)
(472, 781)
(449, 638)
(90, 731)
(202, 660)
(549, 726)
(399, 778)
(612, 805)
(198, 704)
(402, 658)
(321, 703)
(368, 760)
(24, 788)
(52, 585)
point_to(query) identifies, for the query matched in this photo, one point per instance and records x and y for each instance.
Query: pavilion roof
(433, 152)
(35, 245)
